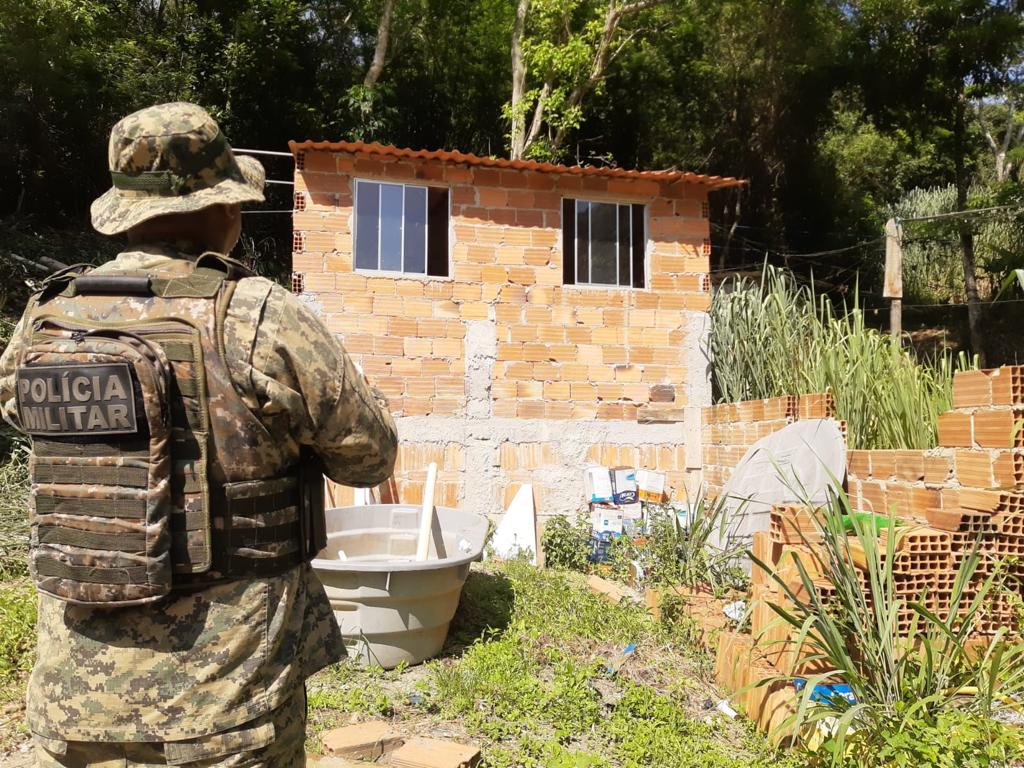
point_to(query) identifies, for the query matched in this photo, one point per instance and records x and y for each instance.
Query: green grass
(525, 677)
(17, 636)
(539, 693)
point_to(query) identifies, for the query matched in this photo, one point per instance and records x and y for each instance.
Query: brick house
(519, 315)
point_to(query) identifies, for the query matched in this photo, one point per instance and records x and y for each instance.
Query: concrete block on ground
(435, 753)
(333, 762)
(362, 741)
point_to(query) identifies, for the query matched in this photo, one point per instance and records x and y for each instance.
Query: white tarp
(797, 463)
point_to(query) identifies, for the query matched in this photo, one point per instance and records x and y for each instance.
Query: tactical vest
(147, 470)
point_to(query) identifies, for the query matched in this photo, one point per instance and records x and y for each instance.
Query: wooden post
(894, 276)
(427, 514)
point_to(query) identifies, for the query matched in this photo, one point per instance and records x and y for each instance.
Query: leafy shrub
(704, 551)
(773, 338)
(566, 543)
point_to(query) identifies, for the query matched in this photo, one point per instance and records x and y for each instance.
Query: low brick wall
(730, 429)
(980, 446)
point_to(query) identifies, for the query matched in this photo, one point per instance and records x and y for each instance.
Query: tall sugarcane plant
(773, 337)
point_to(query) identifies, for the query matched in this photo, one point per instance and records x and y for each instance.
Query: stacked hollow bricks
(729, 429)
(561, 353)
(967, 493)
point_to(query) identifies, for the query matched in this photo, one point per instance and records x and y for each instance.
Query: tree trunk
(518, 133)
(966, 235)
(380, 52)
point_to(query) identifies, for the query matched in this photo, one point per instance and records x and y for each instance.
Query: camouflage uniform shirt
(205, 661)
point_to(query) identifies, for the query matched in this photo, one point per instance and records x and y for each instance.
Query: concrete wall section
(483, 462)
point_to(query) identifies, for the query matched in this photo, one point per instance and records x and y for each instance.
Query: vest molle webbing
(138, 488)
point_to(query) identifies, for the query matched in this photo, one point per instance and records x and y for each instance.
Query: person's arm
(306, 382)
(8, 362)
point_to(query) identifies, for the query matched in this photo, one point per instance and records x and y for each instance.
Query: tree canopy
(840, 114)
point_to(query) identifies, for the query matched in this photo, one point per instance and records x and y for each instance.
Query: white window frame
(425, 274)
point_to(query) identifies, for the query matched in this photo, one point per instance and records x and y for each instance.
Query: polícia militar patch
(77, 399)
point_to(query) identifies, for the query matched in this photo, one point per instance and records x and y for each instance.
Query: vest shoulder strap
(60, 281)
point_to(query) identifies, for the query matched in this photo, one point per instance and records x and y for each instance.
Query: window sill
(402, 275)
(600, 287)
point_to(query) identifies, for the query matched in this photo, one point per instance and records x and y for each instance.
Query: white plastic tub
(390, 607)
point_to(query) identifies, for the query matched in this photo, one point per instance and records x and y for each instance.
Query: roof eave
(712, 183)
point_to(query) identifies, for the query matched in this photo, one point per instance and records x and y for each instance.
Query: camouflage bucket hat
(171, 158)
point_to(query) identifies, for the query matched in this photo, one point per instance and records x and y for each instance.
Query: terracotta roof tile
(445, 156)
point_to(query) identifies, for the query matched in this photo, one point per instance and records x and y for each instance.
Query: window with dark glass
(401, 228)
(603, 243)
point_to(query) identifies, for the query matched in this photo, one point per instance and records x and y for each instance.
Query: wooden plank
(609, 590)
(435, 753)
(645, 415)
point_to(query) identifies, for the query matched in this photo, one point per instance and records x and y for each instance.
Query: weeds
(701, 549)
(541, 694)
(912, 695)
(14, 500)
(17, 635)
(348, 688)
(566, 543)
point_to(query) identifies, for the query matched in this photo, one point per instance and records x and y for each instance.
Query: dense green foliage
(929, 701)
(835, 112)
(772, 337)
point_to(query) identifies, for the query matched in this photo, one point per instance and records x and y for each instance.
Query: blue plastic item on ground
(825, 692)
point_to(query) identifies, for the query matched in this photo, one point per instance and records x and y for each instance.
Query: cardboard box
(624, 490)
(597, 485)
(606, 519)
(651, 486)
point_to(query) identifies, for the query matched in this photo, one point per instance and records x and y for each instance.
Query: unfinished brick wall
(979, 448)
(502, 338)
(730, 429)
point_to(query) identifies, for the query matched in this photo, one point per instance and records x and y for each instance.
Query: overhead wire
(959, 214)
(262, 152)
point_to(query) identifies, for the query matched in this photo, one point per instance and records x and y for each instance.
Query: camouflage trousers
(275, 740)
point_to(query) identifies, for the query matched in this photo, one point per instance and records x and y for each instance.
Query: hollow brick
(474, 311)
(447, 348)
(955, 430)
